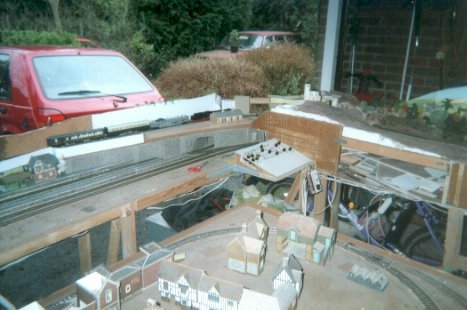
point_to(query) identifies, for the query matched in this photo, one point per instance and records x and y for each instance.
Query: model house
(179, 283)
(130, 280)
(283, 298)
(289, 271)
(191, 287)
(296, 229)
(150, 265)
(98, 291)
(327, 236)
(247, 251)
(246, 254)
(227, 116)
(258, 228)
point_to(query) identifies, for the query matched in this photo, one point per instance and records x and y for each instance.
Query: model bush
(228, 77)
(286, 67)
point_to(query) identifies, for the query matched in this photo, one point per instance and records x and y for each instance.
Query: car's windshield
(245, 41)
(65, 77)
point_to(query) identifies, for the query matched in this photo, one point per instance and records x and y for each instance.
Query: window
(293, 235)
(108, 296)
(183, 288)
(5, 87)
(165, 285)
(128, 288)
(81, 76)
(267, 41)
(213, 297)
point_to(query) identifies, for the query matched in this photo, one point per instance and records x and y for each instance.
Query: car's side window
(267, 41)
(279, 39)
(5, 85)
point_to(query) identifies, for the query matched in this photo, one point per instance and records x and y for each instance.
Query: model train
(113, 131)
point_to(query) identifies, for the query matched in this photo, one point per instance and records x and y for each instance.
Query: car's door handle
(2, 110)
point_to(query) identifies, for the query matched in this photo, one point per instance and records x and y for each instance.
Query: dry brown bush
(228, 77)
(286, 67)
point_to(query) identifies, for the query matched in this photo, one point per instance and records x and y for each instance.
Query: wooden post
(114, 242)
(453, 259)
(320, 201)
(84, 246)
(128, 227)
(334, 220)
(294, 189)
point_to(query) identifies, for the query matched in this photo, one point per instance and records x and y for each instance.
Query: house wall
(149, 273)
(102, 304)
(236, 264)
(382, 42)
(134, 282)
(84, 295)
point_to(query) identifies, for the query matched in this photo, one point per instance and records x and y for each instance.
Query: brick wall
(382, 44)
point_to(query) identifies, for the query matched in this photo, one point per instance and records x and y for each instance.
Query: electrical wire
(222, 181)
(4, 267)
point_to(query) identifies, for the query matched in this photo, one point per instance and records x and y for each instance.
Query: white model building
(289, 271)
(98, 291)
(246, 253)
(192, 287)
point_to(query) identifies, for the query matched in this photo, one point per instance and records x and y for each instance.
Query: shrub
(228, 77)
(32, 37)
(286, 67)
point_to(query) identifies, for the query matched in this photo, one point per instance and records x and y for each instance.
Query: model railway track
(387, 265)
(46, 199)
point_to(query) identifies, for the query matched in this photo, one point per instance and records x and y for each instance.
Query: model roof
(292, 267)
(154, 257)
(249, 244)
(123, 272)
(306, 226)
(326, 231)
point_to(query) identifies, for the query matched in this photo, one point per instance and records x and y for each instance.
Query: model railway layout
(26, 205)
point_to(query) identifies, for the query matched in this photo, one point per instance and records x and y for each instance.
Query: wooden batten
(410, 157)
(85, 253)
(453, 260)
(317, 140)
(14, 145)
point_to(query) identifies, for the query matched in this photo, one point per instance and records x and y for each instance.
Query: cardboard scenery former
(316, 139)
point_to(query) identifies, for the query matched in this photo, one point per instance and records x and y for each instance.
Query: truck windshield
(61, 76)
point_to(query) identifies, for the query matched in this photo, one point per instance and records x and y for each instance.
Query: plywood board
(27, 142)
(315, 139)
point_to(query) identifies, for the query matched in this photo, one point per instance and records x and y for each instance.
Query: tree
(55, 5)
(179, 28)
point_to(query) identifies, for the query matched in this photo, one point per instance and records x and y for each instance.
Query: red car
(249, 40)
(43, 85)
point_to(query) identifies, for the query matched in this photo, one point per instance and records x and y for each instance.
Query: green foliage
(233, 38)
(31, 37)
(194, 77)
(293, 15)
(286, 67)
(179, 28)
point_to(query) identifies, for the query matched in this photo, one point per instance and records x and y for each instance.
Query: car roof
(55, 50)
(267, 32)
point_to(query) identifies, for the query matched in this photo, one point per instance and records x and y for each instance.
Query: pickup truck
(40, 86)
